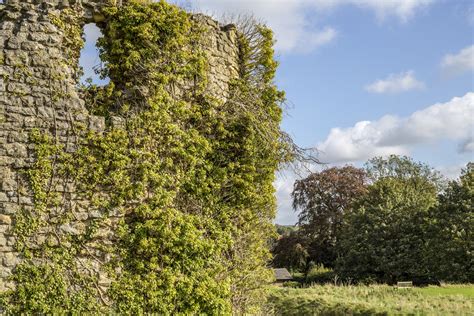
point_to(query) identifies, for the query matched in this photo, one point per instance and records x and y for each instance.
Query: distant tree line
(394, 220)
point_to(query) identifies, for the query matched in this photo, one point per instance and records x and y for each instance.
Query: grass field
(372, 300)
(465, 290)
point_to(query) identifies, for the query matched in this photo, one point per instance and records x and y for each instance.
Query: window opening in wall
(90, 60)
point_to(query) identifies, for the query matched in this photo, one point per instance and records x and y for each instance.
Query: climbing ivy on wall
(189, 179)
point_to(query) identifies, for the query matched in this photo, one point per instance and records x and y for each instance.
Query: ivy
(185, 185)
(69, 21)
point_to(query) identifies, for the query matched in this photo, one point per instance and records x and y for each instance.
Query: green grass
(371, 300)
(465, 290)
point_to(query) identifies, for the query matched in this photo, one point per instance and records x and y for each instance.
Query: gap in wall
(90, 60)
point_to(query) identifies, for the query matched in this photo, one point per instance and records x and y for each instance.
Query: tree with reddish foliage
(289, 252)
(322, 199)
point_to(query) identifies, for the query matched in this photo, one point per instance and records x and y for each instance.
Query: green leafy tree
(322, 199)
(384, 237)
(283, 230)
(403, 167)
(450, 250)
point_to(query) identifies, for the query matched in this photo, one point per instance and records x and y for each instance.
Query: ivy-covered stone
(154, 193)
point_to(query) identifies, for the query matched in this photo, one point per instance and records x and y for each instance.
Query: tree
(402, 167)
(323, 198)
(283, 230)
(384, 236)
(451, 244)
(289, 252)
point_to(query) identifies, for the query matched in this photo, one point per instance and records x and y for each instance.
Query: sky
(365, 78)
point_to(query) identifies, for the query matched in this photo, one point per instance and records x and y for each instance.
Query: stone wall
(38, 90)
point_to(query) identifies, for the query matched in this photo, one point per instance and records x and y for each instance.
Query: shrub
(292, 284)
(320, 274)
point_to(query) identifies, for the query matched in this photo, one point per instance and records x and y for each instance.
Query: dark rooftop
(282, 274)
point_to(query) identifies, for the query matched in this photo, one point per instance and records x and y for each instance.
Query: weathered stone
(8, 285)
(11, 241)
(4, 229)
(117, 122)
(38, 90)
(96, 123)
(5, 219)
(26, 200)
(4, 273)
(10, 259)
(4, 197)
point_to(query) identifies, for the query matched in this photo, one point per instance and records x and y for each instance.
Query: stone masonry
(32, 96)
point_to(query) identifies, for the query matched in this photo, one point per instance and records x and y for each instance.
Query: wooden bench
(405, 284)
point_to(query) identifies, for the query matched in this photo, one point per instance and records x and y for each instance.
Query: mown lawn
(372, 300)
(465, 290)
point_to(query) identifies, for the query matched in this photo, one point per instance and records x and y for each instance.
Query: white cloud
(294, 21)
(317, 39)
(458, 63)
(396, 83)
(284, 186)
(453, 120)
(289, 19)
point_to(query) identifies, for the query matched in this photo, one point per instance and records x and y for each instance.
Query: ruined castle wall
(38, 90)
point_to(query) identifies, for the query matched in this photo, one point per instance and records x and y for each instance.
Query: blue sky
(367, 77)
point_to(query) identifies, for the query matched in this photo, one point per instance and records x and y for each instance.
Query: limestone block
(97, 123)
(16, 150)
(10, 259)
(8, 183)
(4, 229)
(9, 208)
(5, 219)
(4, 197)
(4, 273)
